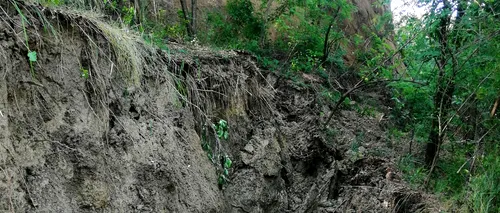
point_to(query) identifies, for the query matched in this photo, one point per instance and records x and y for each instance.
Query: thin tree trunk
(266, 21)
(432, 145)
(186, 20)
(326, 48)
(411, 141)
(154, 10)
(444, 92)
(495, 107)
(138, 14)
(326, 44)
(471, 113)
(192, 22)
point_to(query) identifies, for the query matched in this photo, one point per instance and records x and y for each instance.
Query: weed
(213, 147)
(32, 56)
(413, 172)
(331, 133)
(84, 73)
(365, 110)
(221, 129)
(358, 140)
(331, 97)
(128, 15)
(485, 187)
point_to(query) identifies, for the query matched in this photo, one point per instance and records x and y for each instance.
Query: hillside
(96, 118)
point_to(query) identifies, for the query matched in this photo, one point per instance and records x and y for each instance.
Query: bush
(240, 27)
(485, 187)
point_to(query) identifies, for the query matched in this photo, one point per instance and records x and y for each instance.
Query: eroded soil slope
(103, 122)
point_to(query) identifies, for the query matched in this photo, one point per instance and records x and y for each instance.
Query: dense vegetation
(454, 50)
(444, 74)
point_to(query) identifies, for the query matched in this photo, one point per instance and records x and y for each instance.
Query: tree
(456, 53)
(463, 46)
(445, 85)
(138, 12)
(189, 17)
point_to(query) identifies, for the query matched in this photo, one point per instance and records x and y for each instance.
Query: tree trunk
(444, 91)
(327, 44)
(326, 48)
(138, 14)
(192, 22)
(262, 38)
(471, 114)
(186, 20)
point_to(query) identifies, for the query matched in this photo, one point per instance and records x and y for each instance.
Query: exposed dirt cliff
(104, 122)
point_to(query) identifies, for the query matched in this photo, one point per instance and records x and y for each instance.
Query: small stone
(385, 204)
(249, 148)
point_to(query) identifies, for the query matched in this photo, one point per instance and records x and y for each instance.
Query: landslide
(102, 121)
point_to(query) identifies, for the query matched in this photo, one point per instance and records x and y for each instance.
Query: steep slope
(103, 122)
(113, 140)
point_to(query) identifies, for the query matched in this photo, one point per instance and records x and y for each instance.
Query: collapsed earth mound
(94, 119)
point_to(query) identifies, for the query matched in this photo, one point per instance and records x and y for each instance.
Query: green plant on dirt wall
(221, 129)
(84, 73)
(213, 147)
(32, 56)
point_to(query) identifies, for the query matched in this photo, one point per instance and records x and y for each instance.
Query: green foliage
(485, 187)
(221, 129)
(330, 97)
(181, 87)
(32, 56)
(224, 175)
(174, 31)
(110, 4)
(128, 14)
(244, 19)
(413, 172)
(448, 181)
(219, 32)
(365, 110)
(471, 60)
(52, 2)
(84, 73)
(157, 38)
(227, 163)
(239, 26)
(221, 160)
(268, 63)
(32, 59)
(300, 31)
(413, 103)
(358, 141)
(305, 62)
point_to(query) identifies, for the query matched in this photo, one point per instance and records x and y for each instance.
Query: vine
(216, 155)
